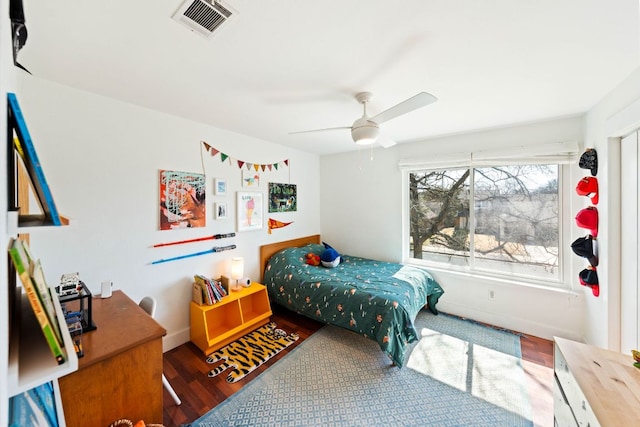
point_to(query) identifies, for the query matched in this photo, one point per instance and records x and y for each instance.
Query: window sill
(550, 285)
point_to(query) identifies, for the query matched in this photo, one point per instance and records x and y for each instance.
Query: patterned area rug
(460, 373)
(252, 350)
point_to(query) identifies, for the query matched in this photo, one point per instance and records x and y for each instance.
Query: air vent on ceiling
(204, 17)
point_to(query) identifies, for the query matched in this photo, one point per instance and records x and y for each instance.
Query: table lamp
(237, 271)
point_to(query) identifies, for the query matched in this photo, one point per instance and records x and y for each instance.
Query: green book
(43, 290)
(20, 261)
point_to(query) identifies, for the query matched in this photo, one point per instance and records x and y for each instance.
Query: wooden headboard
(267, 251)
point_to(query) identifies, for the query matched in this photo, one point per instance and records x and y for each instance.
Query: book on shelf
(27, 152)
(211, 289)
(207, 294)
(214, 289)
(43, 290)
(21, 263)
(34, 407)
(218, 285)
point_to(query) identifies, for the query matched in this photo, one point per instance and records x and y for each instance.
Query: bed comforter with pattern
(377, 299)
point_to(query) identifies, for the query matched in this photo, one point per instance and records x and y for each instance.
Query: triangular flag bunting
(241, 163)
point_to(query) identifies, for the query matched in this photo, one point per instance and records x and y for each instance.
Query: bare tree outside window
(508, 223)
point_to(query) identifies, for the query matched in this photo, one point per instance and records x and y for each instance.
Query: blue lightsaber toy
(212, 250)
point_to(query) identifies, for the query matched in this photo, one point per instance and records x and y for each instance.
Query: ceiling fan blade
(417, 101)
(385, 141)
(320, 130)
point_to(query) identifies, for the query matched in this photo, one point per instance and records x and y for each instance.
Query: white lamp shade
(237, 268)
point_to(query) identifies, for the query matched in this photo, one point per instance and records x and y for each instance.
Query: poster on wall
(182, 200)
(250, 178)
(249, 211)
(283, 197)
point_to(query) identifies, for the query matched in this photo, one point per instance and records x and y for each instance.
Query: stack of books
(207, 291)
(39, 295)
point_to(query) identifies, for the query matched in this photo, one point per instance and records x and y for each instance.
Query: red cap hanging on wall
(589, 277)
(588, 186)
(588, 218)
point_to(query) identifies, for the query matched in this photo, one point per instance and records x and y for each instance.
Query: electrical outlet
(492, 294)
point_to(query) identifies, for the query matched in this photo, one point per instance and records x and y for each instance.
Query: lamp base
(236, 287)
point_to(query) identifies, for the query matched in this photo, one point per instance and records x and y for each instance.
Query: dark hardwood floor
(186, 370)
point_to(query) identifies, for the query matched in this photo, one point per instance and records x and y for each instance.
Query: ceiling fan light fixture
(364, 132)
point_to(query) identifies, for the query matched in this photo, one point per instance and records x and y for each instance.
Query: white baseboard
(175, 339)
(516, 324)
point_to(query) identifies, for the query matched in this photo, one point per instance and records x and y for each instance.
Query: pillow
(315, 248)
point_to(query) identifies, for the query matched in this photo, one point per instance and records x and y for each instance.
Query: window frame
(564, 267)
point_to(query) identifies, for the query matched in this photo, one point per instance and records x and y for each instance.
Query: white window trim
(558, 153)
(563, 281)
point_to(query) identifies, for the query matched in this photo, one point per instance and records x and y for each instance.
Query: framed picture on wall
(250, 178)
(182, 200)
(220, 209)
(249, 210)
(283, 197)
(220, 186)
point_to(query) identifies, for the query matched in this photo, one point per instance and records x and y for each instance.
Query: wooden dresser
(120, 375)
(594, 387)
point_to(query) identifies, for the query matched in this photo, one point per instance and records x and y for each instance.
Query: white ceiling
(281, 66)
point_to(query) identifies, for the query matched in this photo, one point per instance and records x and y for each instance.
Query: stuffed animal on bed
(330, 257)
(313, 259)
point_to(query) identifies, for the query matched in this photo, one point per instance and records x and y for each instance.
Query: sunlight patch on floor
(487, 374)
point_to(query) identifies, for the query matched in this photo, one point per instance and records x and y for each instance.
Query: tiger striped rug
(252, 350)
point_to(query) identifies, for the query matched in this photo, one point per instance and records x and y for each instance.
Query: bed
(377, 299)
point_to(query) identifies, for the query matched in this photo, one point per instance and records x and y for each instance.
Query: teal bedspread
(377, 299)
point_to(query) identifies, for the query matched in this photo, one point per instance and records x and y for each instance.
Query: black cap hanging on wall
(18, 30)
(586, 248)
(589, 160)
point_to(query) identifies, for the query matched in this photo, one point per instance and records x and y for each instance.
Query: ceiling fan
(366, 130)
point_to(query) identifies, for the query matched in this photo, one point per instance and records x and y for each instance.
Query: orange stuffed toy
(313, 259)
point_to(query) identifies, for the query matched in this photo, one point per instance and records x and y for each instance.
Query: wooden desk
(120, 375)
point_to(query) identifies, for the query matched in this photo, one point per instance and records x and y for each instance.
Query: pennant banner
(242, 163)
(274, 223)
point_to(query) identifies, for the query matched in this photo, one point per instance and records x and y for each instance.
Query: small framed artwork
(220, 186)
(283, 197)
(250, 178)
(249, 210)
(220, 210)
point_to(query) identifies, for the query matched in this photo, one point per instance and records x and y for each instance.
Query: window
(497, 219)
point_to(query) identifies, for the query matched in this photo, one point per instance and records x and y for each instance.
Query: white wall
(362, 215)
(608, 120)
(102, 160)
